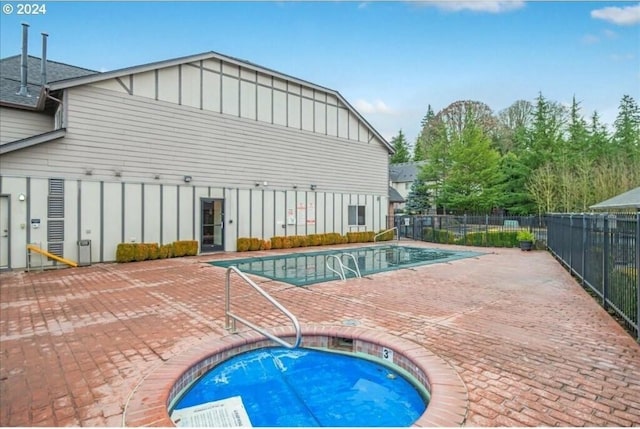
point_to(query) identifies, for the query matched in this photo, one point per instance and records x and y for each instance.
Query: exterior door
(212, 229)
(4, 232)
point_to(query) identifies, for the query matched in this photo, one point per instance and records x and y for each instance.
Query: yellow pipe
(36, 249)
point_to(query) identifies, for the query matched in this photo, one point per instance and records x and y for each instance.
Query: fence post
(605, 263)
(464, 228)
(584, 248)
(570, 243)
(637, 267)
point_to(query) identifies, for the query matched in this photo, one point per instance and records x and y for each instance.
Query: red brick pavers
(532, 347)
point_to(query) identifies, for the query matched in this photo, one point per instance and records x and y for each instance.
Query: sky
(390, 60)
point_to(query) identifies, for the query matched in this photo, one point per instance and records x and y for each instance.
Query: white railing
(343, 267)
(397, 234)
(231, 318)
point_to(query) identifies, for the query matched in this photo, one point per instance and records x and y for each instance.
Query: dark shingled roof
(10, 73)
(394, 196)
(405, 172)
(626, 200)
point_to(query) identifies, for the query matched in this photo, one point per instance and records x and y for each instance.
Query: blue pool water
(307, 268)
(307, 387)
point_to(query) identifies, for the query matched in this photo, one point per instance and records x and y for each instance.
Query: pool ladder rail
(397, 234)
(230, 322)
(342, 266)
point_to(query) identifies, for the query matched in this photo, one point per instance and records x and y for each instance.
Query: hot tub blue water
(307, 387)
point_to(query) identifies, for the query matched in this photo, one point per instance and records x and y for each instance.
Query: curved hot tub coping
(148, 403)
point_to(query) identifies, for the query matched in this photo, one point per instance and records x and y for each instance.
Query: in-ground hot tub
(159, 392)
(281, 387)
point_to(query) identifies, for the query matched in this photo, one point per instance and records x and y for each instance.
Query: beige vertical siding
(16, 124)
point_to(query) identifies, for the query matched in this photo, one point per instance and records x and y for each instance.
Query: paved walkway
(532, 347)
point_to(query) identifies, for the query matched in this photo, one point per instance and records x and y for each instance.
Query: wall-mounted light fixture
(22, 197)
(88, 171)
(313, 187)
(187, 179)
(295, 186)
(118, 173)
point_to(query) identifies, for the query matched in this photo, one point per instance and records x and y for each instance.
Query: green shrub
(141, 252)
(254, 244)
(502, 239)
(276, 242)
(126, 252)
(153, 250)
(314, 239)
(332, 238)
(185, 248)
(388, 235)
(360, 237)
(525, 235)
(166, 251)
(439, 236)
(243, 244)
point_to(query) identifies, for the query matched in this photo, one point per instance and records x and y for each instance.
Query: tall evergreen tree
(578, 136)
(472, 182)
(436, 170)
(401, 147)
(627, 128)
(512, 191)
(599, 139)
(426, 136)
(419, 198)
(545, 142)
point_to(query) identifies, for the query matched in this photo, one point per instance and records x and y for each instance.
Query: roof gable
(98, 77)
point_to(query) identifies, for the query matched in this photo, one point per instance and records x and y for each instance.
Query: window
(356, 215)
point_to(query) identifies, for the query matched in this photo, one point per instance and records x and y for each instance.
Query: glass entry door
(212, 220)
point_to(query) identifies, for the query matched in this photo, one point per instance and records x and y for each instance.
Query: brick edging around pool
(148, 403)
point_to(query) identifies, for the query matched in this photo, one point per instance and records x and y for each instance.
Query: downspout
(23, 61)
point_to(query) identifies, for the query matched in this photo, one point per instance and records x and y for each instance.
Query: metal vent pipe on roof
(43, 64)
(23, 60)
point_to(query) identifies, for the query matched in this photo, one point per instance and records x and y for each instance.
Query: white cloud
(492, 6)
(377, 106)
(622, 57)
(628, 15)
(590, 39)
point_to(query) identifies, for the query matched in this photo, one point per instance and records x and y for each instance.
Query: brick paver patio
(531, 346)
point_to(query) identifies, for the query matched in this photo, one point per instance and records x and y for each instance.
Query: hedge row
(292, 241)
(245, 244)
(135, 252)
(488, 239)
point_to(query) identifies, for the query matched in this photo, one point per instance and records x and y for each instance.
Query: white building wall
(16, 124)
(131, 141)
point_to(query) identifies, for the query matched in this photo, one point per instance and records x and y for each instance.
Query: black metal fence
(602, 250)
(467, 229)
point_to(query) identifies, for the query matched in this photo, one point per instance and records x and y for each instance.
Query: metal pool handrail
(340, 273)
(231, 318)
(397, 234)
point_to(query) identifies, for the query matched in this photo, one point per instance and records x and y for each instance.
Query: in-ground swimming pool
(307, 268)
(300, 387)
